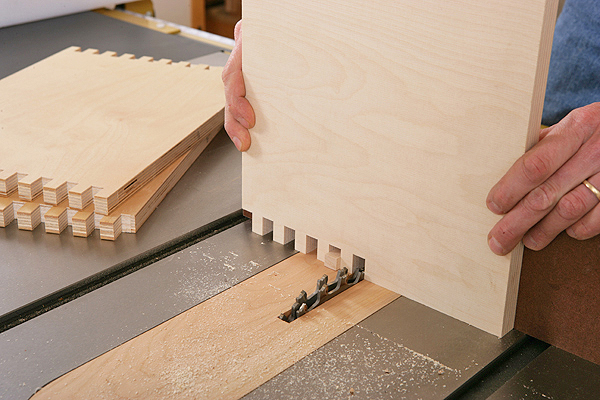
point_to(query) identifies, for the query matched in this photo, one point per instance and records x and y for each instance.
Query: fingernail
(529, 242)
(244, 123)
(495, 246)
(237, 142)
(493, 207)
(571, 232)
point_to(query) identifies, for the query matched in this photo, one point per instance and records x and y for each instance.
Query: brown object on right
(559, 296)
(234, 7)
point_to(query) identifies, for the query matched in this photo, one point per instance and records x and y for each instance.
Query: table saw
(67, 300)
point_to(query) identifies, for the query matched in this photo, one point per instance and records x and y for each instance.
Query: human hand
(239, 115)
(542, 194)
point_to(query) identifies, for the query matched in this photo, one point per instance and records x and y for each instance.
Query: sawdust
(537, 393)
(361, 364)
(210, 272)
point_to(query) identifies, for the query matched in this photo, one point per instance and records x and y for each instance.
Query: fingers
(570, 209)
(239, 114)
(544, 132)
(239, 134)
(552, 202)
(509, 231)
(534, 167)
(589, 225)
(542, 194)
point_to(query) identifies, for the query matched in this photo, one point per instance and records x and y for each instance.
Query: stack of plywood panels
(97, 140)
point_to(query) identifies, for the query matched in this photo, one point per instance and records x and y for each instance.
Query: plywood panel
(226, 346)
(133, 212)
(381, 126)
(101, 126)
(128, 217)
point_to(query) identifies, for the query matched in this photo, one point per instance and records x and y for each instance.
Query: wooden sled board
(97, 124)
(381, 126)
(226, 346)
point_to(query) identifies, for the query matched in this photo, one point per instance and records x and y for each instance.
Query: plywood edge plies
(110, 227)
(29, 216)
(6, 211)
(56, 219)
(83, 222)
(31, 186)
(56, 191)
(8, 182)
(81, 195)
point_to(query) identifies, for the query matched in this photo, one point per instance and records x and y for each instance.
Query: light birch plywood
(29, 215)
(98, 126)
(381, 126)
(83, 222)
(7, 211)
(56, 219)
(128, 217)
(133, 212)
(226, 346)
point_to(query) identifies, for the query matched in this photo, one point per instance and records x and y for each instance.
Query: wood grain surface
(226, 346)
(98, 126)
(381, 126)
(130, 215)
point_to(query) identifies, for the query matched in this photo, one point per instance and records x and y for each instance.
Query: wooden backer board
(558, 296)
(381, 126)
(226, 346)
(137, 116)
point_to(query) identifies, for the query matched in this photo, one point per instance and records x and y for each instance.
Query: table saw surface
(66, 300)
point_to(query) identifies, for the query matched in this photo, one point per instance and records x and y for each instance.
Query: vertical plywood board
(381, 126)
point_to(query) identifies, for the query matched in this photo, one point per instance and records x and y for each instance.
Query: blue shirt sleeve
(574, 74)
